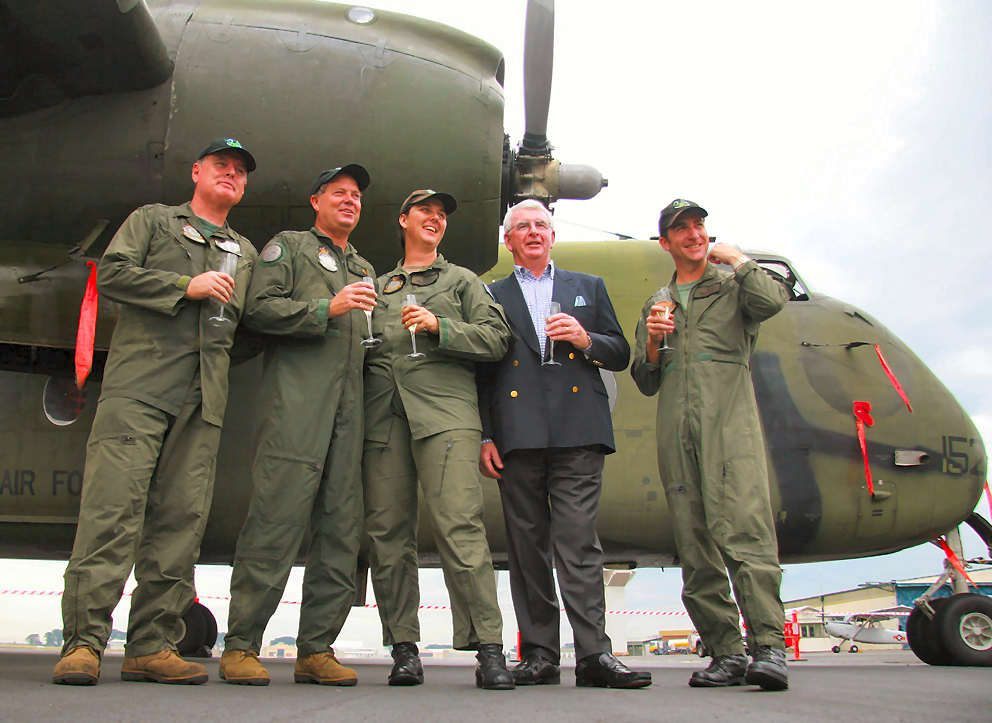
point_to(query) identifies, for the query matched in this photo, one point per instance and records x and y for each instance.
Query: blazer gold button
(513, 393)
(571, 355)
(516, 363)
(575, 389)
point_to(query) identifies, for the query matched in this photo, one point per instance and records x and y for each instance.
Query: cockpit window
(782, 272)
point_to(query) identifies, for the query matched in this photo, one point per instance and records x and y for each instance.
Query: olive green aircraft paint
(304, 88)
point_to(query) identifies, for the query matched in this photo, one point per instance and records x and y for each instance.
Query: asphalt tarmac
(871, 686)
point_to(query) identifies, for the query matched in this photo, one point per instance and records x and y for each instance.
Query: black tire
(200, 632)
(923, 638)
(211, 638)
(964, 624)
(853, 649)
(835, 649)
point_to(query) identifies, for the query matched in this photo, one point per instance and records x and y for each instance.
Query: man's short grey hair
(526, 203)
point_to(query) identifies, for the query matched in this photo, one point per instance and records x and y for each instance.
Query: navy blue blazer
(526, 406)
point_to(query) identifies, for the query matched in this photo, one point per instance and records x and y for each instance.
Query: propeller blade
(539, 50)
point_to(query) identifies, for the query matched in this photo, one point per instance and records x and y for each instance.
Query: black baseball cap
(675, 209)
(426, 194)
(357, 172)
(229, 144)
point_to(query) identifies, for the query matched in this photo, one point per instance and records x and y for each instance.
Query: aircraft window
(62, 402)
(780, 271)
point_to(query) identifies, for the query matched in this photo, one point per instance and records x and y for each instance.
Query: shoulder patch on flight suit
(272, 252)
(325, 259)
(192, 234)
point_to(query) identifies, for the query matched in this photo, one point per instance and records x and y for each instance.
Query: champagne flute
(228, 265)
(371, 341)
(555, 308)
(411, 300)
(664, 299)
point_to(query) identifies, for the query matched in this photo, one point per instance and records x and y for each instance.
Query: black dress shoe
(605, 671)
(723, 670)
(407, 668)
(536, 670)
(768, 669)
(491, 672)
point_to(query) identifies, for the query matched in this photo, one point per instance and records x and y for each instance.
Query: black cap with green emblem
(675, 209)
(229, 144)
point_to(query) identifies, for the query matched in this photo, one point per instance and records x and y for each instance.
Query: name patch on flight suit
(228, 245)
(703, 291)
(325, 259)
(192, 234)
(357, 269)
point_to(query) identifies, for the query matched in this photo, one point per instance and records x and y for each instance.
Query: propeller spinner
(531, 171)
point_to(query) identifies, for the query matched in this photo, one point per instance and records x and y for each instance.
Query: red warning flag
(892, 378)
(862, 412)
(86, 333)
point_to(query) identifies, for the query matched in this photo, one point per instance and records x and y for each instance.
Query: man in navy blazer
(546, 431)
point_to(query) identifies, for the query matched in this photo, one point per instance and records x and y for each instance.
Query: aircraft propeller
(531, 171)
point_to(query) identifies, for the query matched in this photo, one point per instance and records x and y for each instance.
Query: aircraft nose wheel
(965, 627)
(923, 636)
(198, 632)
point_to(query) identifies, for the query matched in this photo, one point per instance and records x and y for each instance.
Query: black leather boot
(723, 670)
(768, 669)
(491, 672)
(407, 668)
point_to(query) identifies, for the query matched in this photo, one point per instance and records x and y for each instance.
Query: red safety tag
(892, 378)
(86, 332)
(954, 560)
(862, 412)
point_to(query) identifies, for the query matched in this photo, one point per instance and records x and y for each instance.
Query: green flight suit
(308, 455)
(711, 455)
(151, 454)
(422, 421)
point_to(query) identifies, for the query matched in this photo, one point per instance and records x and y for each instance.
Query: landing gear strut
(955, 630)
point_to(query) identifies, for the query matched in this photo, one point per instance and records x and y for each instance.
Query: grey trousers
(550, 503)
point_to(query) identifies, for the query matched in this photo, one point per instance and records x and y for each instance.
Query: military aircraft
(115, 97)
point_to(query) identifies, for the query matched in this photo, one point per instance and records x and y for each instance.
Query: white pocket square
(579, 301)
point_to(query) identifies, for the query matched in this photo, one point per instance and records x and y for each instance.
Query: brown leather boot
(241, 667)
(80, 666)
(323, 668)
(165, 666)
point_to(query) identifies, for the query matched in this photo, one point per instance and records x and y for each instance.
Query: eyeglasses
(417, 278)
(526, 225)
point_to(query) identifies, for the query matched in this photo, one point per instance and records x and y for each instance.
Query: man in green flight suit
(151, 454)
(309, 290)
(422, 421)
(711, 454)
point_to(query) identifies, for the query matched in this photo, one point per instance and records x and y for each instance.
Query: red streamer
(892, 378)
(862, 412)
(86, 333)
(954, 560)
(988, 498)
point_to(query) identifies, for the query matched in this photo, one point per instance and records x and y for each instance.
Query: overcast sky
(852, 137)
